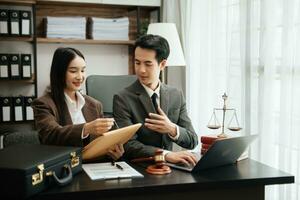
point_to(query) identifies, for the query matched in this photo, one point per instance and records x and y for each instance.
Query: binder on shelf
(14, 62)
(4, 66)
(5, 108)
(25, 23)
(4, 22)
(26, 66)
(14, 22)
(28, 109)
(18, 104)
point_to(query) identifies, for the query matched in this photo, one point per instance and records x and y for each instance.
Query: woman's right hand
(98, 126)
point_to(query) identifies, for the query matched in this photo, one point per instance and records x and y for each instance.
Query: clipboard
(102, 144)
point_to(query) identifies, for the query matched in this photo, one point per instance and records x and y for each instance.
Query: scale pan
(213, 126)
(235, 128)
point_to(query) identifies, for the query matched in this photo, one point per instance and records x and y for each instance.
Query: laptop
(222, 152)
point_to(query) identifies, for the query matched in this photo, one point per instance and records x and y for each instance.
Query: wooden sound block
(154, 169)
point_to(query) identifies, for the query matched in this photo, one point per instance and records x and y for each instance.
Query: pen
(119, 167)
(113, 163)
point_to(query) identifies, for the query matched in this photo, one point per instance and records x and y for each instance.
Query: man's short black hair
(154, 42)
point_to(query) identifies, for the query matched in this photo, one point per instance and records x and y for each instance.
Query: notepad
(97, 171)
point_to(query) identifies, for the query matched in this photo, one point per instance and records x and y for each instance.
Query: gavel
(159, 167)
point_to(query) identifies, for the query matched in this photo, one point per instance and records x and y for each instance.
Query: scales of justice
(214, 123)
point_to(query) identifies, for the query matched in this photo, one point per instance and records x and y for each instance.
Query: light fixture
(169, 32)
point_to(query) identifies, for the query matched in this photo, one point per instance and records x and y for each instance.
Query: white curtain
(249, 49)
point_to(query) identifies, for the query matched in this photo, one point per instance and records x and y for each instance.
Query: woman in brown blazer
(63, 115)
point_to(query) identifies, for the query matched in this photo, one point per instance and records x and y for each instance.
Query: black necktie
(154, 101)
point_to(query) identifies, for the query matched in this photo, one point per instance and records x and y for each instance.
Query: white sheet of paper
(18, 113)
(107, 171)
(26, 71)
(3, 71)
(29, 113)
(15, 28)
(15, 70)
(6, 113)
(25, 26)
(3, 27)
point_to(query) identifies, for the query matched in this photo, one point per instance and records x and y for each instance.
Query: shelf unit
(136, 14)
(18, 126)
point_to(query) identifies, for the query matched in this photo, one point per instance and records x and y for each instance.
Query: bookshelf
(137, 14)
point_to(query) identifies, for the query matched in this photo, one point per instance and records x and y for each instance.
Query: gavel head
(159, 158)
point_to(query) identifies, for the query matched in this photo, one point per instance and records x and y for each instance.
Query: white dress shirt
(75, 110)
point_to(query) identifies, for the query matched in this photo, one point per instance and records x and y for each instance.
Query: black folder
(14, 62)
(6, 109)
(14, 23)
(4, 22)
(26, 71)
(28, 111)
(25, 23)
(18, 111)
(4, 66)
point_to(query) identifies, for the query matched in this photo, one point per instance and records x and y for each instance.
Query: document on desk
(108, 170)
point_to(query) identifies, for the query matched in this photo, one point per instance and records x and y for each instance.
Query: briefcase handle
(65, 180)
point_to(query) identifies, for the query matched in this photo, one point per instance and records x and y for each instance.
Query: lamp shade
(169, 32)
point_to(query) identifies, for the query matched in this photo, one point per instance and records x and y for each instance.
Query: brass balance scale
(214, 123)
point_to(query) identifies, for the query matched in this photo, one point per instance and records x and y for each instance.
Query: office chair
(103, 88)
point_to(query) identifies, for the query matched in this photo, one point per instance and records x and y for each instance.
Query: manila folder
(101, 145)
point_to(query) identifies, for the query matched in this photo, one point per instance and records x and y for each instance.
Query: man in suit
(161, 108)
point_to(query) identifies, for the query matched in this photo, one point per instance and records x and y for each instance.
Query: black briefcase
(27, 169)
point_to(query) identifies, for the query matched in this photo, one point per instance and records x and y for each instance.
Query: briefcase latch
(74, 159)
(38, 177)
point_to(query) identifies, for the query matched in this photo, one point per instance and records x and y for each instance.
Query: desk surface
(246, 173)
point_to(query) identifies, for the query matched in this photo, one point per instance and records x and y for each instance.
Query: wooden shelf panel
(90, 3)
(87, 41)
(29, 81)
(18, 39)
(18, 2)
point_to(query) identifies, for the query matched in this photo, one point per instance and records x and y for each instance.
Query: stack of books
(109, 28)
(65, 27)
(206, 142)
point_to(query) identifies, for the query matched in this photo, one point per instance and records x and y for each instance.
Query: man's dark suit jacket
(47, 121)
(133, 104)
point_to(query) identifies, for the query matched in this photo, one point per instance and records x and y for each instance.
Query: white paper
(15, 28)
(6, 113)
(107, 171)
(3, 27)
(3, 71)
(25, 26)
(18, 113)
(15, 70)
(29, 113)
(26, 71)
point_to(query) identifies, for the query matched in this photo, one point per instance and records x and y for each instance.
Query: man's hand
(98, 126)
(160, 123)
(116, 152)
(184, 157)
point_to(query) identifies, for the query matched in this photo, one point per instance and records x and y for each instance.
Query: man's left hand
(160, 123)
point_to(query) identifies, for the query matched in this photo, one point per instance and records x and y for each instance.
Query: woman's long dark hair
(61, 59)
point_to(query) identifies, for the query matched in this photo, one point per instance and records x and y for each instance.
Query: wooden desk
(245, 180)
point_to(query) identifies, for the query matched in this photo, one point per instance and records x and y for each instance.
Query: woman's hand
(116, 152)
(98, 126)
